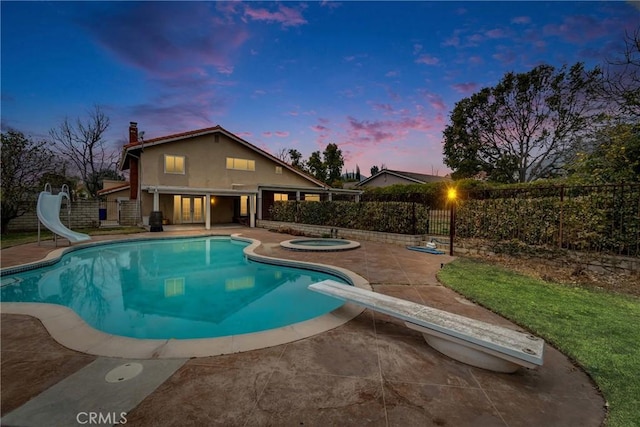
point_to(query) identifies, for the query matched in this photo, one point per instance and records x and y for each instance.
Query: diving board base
(466, 352)
(467, 340)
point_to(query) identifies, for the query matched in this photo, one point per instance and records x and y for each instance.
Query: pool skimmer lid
(123, 372)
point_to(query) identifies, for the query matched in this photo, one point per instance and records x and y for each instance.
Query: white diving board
(467, 340)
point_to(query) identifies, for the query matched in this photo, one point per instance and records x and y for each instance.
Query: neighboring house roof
(418, 178)
(138, 146)
(104, 192)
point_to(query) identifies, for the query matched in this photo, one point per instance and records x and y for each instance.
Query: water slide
(49, 214)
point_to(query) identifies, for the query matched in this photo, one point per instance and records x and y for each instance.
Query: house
(211, 176)
(387, 177)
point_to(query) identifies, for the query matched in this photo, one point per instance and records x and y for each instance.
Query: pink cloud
(476, 60)
(365, 132)
(435, 101)
(452, 41)
(496, 33)
(278, 133)
(319, 128)
(475, 39)
(465, 88)
(330, 4)
(579, 29)
(427, 59)
(287, 16)
(296, 113)
(392, 73)
(386, 108)
(152, 38)
(352, 92)
(521, 20)
(505, 56)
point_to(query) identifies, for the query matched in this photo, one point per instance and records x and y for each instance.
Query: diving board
(467, 340)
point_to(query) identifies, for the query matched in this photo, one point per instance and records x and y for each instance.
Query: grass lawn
(20, 238)
(597, 329)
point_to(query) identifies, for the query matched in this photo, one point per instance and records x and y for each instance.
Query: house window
(239, 283)
(278, 170)
(173, 164)
(241, 164)
(312, 197)
(173, 287)
(244, 208)
(280, 197)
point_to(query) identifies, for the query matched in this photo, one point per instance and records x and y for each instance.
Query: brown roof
(114, 189)
(205, 131)
(177, 136)
(419, 178)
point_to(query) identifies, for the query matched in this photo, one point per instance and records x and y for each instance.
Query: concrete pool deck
(369, 371)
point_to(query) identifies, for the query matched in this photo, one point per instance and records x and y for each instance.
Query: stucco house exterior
(387, 177)
(210, 176)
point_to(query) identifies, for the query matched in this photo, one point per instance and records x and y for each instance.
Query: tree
(374, 170)
(358, 176)
(333, 162)
(528, 126)
(24, 162)
(317, 167)
(615, 159)
(621, 77)
(83, 144)
(296, 159)
(283, 155)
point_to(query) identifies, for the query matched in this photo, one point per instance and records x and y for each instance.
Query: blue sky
(377, 78)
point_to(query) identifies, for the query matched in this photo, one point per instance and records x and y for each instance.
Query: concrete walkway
(370, 371)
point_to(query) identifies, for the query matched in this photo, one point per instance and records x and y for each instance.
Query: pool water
(173, 288)
(320, 242)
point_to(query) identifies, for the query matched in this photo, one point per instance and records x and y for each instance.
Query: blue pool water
(173, 288)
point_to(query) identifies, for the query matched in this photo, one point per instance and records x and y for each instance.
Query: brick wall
(84, 214)
(129, 212)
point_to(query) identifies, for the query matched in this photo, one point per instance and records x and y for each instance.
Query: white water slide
(49, 215)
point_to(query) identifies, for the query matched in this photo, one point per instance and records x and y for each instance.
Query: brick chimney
(133, 133)
(133, 163)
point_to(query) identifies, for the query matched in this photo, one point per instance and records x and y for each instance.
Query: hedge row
(595, 222)
(387, 217)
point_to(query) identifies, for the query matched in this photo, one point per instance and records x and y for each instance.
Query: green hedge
(388, 217)
(603, 222)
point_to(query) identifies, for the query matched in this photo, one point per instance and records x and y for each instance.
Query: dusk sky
(377, 78)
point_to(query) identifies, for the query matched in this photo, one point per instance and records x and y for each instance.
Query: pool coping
(68, 329)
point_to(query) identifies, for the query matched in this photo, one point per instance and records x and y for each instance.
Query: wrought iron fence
(599, 218)
(594, 218)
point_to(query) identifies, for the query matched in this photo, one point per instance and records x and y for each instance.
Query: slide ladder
(48, 210)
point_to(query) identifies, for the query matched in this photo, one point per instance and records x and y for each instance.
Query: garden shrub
(387, 216)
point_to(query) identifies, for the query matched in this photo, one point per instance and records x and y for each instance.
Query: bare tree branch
(82, 143)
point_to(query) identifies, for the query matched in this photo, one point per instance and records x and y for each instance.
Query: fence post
(451, 195)
(413, 218)
(561, 216)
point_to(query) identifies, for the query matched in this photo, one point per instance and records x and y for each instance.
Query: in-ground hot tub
(319, 245)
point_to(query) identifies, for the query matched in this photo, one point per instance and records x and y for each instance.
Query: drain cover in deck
(123, 372)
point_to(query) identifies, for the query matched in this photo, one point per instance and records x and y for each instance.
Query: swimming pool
(182, 288)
